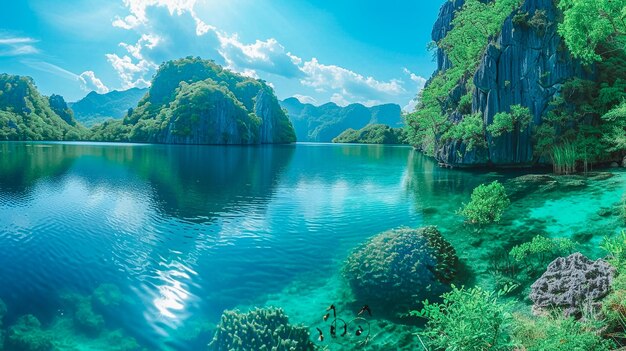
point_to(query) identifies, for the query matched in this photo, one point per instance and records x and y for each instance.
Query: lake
(154, 242)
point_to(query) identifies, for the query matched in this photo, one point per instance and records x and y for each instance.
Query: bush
(556, 334)
(487, 204)
(616, 248)
(468, 319)
(542, 248)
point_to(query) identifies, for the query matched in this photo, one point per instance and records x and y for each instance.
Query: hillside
(195, 101)
(325, 122)
(525, 82)
(25, 114)
(96, 108)
(373, 134)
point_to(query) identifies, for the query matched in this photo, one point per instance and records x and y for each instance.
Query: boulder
(400, 268)
(570, 283)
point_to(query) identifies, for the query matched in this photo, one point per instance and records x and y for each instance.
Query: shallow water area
(106, 242)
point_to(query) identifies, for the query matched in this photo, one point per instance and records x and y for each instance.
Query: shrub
(468, 319)
(506, 122)
(542, 248)
(555, 333)
(616, 248)
(487, 204)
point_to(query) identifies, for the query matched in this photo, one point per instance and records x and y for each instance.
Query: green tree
(488, 203)
(588, 26)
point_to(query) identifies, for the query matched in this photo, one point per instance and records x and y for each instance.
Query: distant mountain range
(96, 108)
(326, 122)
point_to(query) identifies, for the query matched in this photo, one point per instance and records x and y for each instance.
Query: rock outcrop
(525, 65)
(570, 283)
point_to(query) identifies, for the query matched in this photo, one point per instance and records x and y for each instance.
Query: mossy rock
(260, 329)
(26, 335)
(399, 268)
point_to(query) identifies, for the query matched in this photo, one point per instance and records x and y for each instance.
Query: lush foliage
(588, 26)
(468, 319)
(196, 101)
(506, 122)
(373, 134)
(470, 130)
(616, 248)
(553, 333)
(27, 115)
(542, 248)
(474, 25)
(488, 203)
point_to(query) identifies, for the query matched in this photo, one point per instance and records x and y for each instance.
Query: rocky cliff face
(526, 64)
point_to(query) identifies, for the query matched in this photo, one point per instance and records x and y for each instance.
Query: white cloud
(349, 86)
(50, 68)
(268, 56)
(146, 41)
(305, 99)
(17, 46)
(131, 72)
(90, 82)
(138, 15)
(420, 82)
(339, 100)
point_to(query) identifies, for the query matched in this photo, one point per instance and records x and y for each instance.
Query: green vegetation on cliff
(25, 114)
(195, 101)
(481, 107)
(373, 134)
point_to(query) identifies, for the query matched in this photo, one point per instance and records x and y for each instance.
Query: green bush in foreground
(487, 204)
(468, 319)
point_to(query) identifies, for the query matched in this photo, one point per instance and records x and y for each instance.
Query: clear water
(188, 231)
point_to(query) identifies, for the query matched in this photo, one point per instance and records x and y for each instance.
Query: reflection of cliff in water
(188, 182)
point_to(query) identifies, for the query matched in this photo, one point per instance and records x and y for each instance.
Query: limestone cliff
(526, 64)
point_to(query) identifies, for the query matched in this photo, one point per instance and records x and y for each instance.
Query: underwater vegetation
(487, 205)
(80, 326)
(259, 329)
(400, 267)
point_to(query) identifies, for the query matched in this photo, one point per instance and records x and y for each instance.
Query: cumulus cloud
(349, 85)
(131, 72)
(268, 56)
(17, 46)
(305, 99)
(138, 13)
(90, 82)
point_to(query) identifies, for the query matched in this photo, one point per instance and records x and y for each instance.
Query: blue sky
(343, 51)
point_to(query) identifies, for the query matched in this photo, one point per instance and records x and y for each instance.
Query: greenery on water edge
(25, 114)
(373, 134)
(488, 203)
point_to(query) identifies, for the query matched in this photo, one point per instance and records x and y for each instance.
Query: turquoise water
(185, 232)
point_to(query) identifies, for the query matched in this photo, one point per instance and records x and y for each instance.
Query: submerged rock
(26, 335)
(401, 267)
(570, 283)
(259, 329)
(107, 295)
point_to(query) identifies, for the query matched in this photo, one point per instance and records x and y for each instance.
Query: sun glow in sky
(317, 50)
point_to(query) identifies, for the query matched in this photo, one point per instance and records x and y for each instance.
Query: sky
(344, 51)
